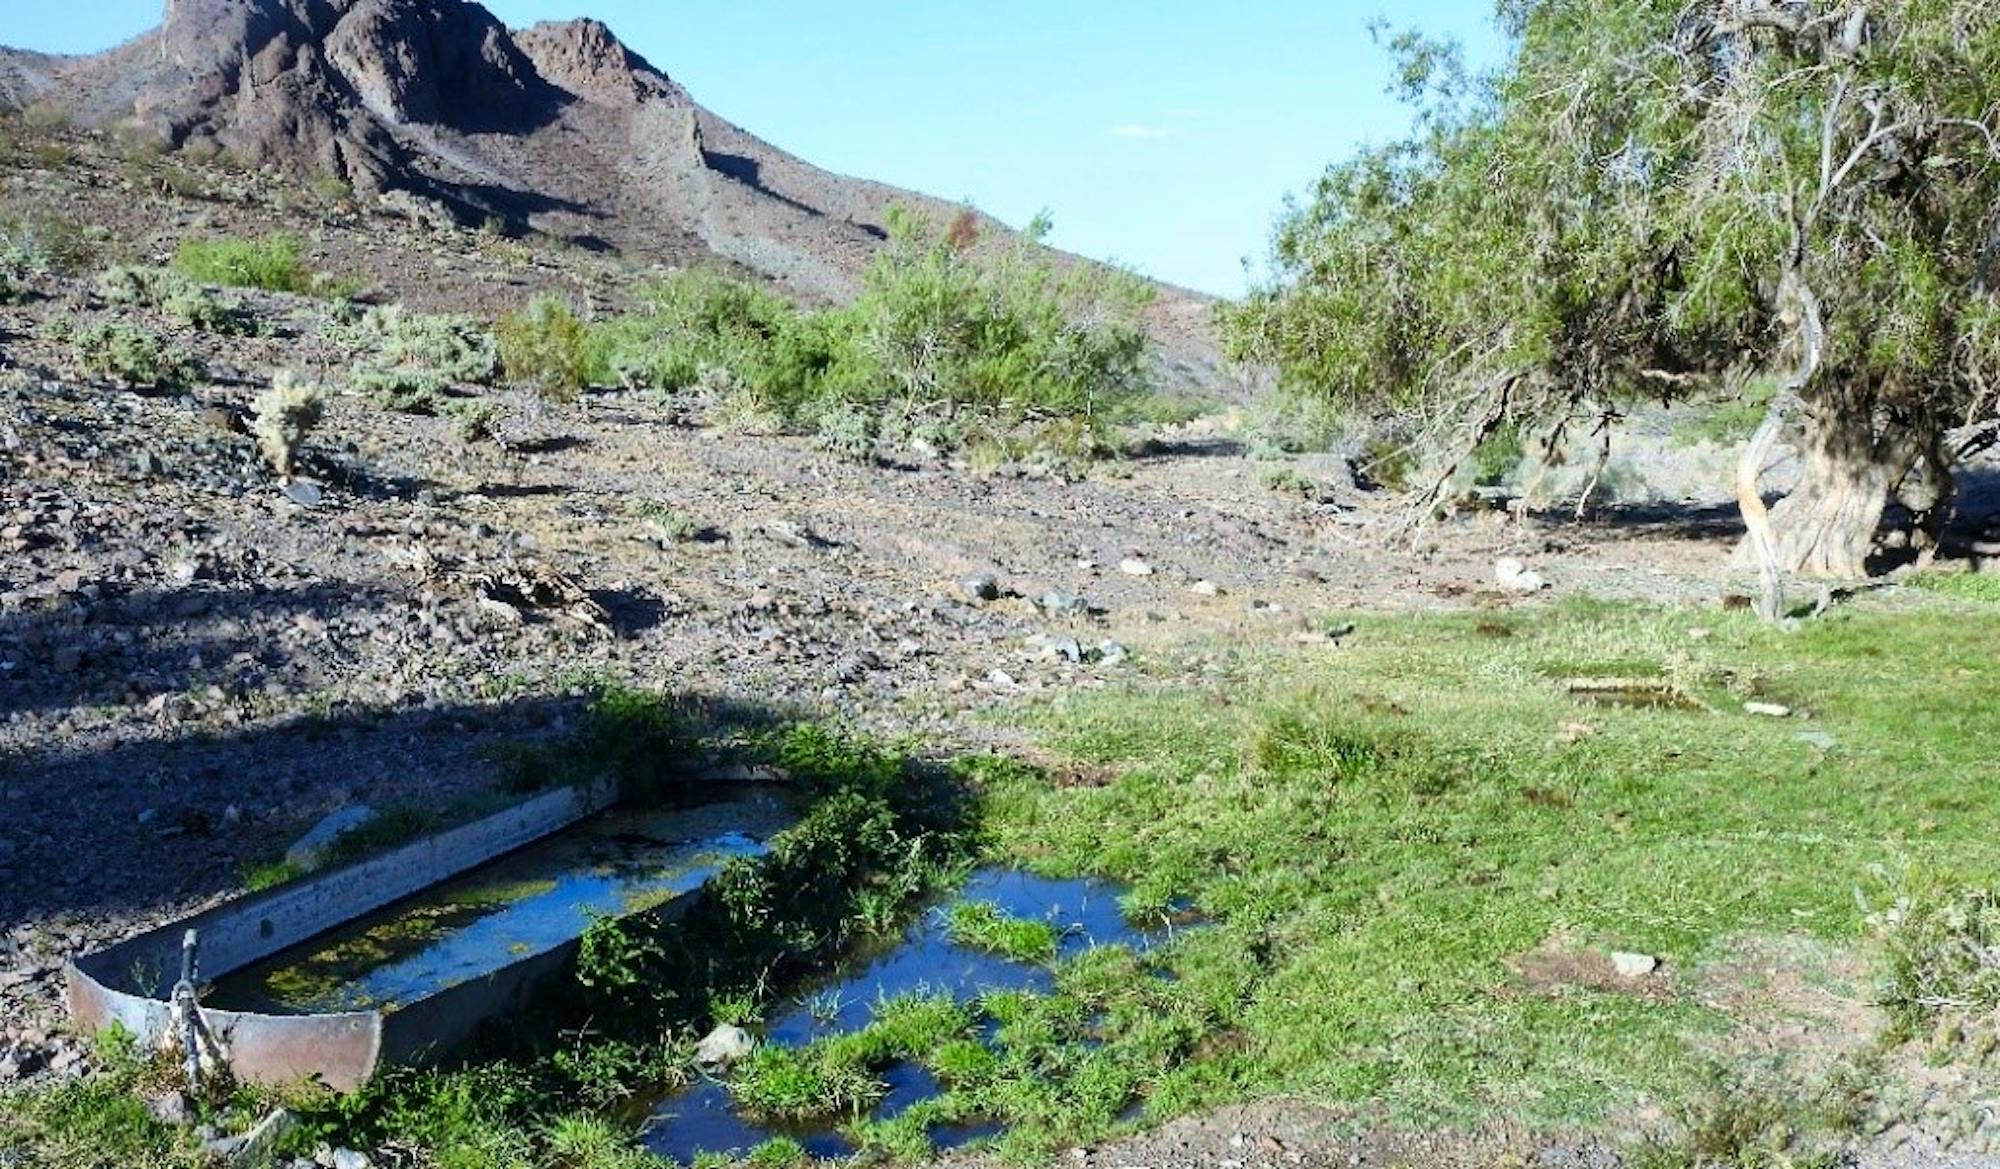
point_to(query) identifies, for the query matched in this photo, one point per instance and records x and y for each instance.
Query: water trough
(398, 958)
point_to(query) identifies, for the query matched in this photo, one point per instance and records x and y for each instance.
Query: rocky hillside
(436, 108)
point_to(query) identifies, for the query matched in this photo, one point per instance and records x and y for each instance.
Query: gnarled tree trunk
(1854, 454)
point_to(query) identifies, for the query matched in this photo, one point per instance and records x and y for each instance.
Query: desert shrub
(271, 263)
(546, 346)
(412, 360)
(190, 303)
(1941, 950)
(687, 321)
(282, 416)
(210, 312)
(46, 244)
(132, 357)
(1007, 331)
(456, 348)
(843, 429)
(13, 278)
(46, 117)
(128, 284)
(946, 329)
(472, 420)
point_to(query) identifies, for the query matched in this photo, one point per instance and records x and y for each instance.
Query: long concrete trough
(340, 1039)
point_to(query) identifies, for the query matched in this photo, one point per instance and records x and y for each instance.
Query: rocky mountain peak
(586, 59)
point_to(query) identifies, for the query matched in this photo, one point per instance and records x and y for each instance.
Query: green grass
(1373, 838)
(984, 926)
(1983, 586)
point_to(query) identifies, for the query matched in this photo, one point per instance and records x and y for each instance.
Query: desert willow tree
(1677, 201)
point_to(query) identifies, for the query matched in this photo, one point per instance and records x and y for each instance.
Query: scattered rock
(1112, 653)
(310, 851)
(724, 1047)
(980, 588)
(349, 1159)
(1630, 965)
(1767, 710)
(305, 493)
(1514, 577)
(1135, 567)
(1205, 588)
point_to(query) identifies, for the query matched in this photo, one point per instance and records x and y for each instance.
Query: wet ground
(922, 960)
(519, 906)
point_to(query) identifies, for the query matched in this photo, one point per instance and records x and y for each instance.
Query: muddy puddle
(524, 904)
(922, 960)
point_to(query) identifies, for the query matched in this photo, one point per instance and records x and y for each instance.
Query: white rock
(1135, 568)
(1634, 965)
(723, 1047)
(1515, 577)
(1205, 588)
(1767, 710)
(349, 1159)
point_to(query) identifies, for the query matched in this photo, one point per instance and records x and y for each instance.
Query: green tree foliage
(1666, 201)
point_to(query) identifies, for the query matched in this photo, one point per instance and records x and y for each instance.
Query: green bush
(948, 330)
(133, 357)
(546, 346)
(687, 322)
(271, 263)
(1007, 331)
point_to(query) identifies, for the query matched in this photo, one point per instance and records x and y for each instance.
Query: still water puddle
(922, 960)
(524, 904)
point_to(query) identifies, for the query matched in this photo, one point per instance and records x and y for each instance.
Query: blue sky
(1162, 134)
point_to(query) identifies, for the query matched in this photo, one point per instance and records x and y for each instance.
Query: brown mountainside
(435, 106)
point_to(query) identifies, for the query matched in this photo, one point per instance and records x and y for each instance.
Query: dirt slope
(436, 107)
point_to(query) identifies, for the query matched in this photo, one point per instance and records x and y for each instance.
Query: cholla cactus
(283, 416)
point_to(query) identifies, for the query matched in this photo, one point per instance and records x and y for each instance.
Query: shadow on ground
(130, 829)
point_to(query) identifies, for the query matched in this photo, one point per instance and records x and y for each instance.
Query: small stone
(1205, 588)
(1514, 577)
(171, 1109)
(1063, 603)
(1067, 648)
(980, 588)
(1112, 653)
(1820, 739)
(1135, 567)
(1767, 710)
(723, 1047)
(1631, 965)
(305, 493)
(349, 1159)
